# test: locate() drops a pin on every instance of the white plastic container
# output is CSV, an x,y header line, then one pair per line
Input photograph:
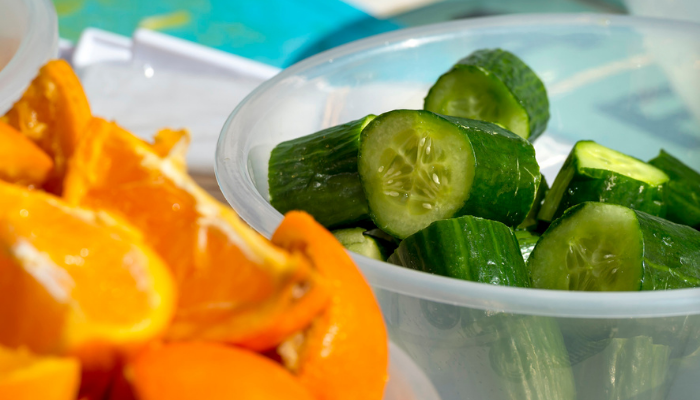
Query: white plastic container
x,y
28,39
610,79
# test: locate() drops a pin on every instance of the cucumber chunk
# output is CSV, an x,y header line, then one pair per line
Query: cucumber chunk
x,y
448,248
531,359
593,172
418,167
633,368
682,192
527,241
531,222
605,247
355,240
496,86
318,174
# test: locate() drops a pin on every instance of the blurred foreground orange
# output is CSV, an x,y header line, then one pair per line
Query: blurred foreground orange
x,y
233,284
186,371
344,353
24,376
53,112
22,162
72,280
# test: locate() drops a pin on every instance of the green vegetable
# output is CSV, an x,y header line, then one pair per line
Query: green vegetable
x,y
527,241
468,248
596,173
605,247
682,192
633,368
418,167
496,86
355,240
531,222
531,359
318,174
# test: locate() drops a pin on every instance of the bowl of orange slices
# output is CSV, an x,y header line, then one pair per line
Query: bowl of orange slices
x,y
121,278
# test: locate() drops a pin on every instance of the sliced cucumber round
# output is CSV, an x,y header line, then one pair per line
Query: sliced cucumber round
x,y
593,172
593,247
355,240
496,86
605,247
418,167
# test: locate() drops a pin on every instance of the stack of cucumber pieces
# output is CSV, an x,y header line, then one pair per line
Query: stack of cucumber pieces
x,y
455,190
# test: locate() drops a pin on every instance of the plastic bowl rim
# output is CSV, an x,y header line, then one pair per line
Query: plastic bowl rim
x,y
38,45
679,302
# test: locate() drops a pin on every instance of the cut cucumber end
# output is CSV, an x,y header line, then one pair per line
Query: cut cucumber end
x,y
591,155
416,167
468,91
355,240
592,247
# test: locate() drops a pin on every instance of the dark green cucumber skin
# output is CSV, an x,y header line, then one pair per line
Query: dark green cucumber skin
x,y
506,173
527,241
532,360
318,174
671,254
531,222
605,186
468,248
682,191
628,368
522,81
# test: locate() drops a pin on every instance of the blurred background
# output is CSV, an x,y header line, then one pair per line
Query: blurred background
x,y
188,63
281,32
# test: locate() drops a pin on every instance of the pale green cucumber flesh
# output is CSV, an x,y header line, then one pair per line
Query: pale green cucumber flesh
x,y
592,247
470,92
592,155
415,167
355,240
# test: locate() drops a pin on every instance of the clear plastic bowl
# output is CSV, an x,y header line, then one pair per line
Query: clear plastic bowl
x,y
627,82
28,38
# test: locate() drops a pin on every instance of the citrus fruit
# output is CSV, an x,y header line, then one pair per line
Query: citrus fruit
x,y
192,370
22,162
233,285
53,112
24,376
343,354
74,281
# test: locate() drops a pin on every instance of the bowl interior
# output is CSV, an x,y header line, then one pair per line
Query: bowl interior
x,y
28,38
628,83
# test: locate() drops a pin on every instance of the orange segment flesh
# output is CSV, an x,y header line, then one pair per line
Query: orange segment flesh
x,y
22,162
344,353
53,112
173,145
24,376
185,371
233,284
72,279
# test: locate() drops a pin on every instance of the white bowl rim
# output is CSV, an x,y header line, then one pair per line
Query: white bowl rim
x,y
679,302
37,47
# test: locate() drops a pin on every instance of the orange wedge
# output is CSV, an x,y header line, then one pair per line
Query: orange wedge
x,y
75,281
53,112
24,376
233,284
186,371
22,162
343,355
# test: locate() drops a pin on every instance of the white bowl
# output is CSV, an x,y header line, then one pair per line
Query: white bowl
x,y
28,39
612,79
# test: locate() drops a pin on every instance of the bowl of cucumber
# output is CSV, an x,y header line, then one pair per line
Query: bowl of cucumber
x,y
512,168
